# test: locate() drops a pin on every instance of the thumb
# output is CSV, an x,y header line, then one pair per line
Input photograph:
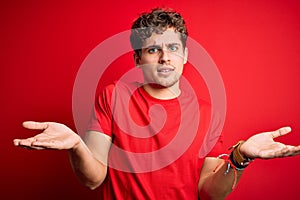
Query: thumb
x,y
281,131
35,125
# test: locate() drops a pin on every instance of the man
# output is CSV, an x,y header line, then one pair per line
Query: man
x,y
159,116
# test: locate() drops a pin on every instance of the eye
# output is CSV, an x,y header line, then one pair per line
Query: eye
x,y
153,50
173,48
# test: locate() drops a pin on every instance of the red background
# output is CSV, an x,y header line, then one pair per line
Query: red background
x,y
255,44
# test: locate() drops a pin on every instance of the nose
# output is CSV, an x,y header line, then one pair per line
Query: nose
x,y
164,56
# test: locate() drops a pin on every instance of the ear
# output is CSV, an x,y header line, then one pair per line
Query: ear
x,y
136,59
185,58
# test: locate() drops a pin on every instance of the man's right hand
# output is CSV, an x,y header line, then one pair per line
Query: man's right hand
x,y
53,136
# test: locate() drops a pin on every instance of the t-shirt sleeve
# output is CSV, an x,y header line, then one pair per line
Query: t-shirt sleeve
x,y
101,116
218,148
213,142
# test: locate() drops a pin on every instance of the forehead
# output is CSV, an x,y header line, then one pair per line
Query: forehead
x,y
167,37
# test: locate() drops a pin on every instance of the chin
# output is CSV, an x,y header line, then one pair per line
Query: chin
x,y
167,84
163,82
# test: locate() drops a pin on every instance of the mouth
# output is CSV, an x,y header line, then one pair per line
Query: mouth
x,y
165,70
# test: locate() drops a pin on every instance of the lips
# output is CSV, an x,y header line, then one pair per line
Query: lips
x,y
165,69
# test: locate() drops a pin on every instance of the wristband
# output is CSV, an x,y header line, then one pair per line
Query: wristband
x,y
237,159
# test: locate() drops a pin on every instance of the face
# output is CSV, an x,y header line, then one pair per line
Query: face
x,y
162,59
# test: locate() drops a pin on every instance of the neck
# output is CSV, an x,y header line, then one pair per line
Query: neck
x,y
164,93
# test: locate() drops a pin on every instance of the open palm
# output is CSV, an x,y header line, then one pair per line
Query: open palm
x,y
53,136
264,146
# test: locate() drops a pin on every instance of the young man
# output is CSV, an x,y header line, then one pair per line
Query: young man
x,y
144,139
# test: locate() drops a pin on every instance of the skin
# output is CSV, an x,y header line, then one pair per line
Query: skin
x,y
162,59
162,62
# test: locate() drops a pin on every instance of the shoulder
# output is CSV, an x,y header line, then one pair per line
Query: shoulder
x,y
120,85
117,89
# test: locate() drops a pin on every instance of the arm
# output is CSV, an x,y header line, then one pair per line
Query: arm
x,y
217,184
90,162
87,159
214,183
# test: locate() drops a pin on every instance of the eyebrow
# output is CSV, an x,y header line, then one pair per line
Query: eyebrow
x,y
172,44
159,46
152,46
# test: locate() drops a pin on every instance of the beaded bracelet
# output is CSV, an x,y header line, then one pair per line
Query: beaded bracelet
x,y
235,161
225,157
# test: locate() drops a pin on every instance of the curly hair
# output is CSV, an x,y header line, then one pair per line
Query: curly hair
x,y
158,20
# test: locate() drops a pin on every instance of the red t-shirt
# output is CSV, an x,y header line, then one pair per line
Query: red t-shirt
x,y
157,150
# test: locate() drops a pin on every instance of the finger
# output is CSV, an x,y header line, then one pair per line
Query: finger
x,y
49,144
294,150
33,143
280,132
26,142
288,151
16,142
32,147
35,125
